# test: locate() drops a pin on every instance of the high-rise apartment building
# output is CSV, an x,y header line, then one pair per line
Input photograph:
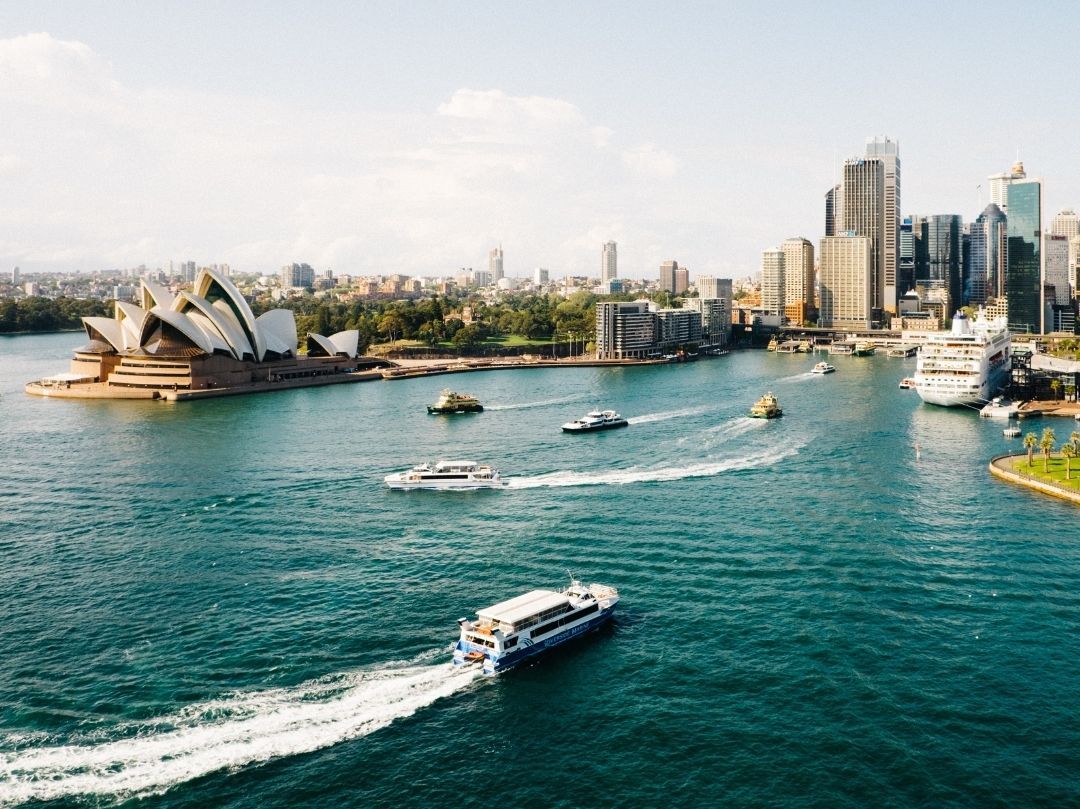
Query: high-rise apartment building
x,y
772,281
798,279
495,263
625,330
1023,270
667,276
988,249
999,185
15,277
1066,224
846,282
682,280
297,276
540,276
609,262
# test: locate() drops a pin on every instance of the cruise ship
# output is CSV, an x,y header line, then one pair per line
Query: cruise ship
x,y
447,475
510,632
966,365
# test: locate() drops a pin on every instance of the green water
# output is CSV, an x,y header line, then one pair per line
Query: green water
x,y
220,604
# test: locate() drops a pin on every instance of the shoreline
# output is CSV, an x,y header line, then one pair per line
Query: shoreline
x,y
1003,468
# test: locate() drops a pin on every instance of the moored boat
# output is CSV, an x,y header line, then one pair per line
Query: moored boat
x,y
1011,431
595,420
767,407
864,348
451,402
507,633
447,475
907,383
823,368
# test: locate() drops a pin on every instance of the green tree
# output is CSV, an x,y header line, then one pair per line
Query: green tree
x,y
1055,387
1030,442
1067,452
1046,444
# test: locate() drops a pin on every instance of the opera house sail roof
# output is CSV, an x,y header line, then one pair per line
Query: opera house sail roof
x,y
203,338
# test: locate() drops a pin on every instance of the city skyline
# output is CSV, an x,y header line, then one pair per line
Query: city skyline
x,y
144,140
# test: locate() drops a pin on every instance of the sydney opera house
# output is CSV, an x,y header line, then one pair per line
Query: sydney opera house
x,y
198,343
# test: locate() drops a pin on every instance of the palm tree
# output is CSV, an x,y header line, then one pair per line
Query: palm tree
x,y
1074,439
1046,444
1055,386
1067,452
1030,442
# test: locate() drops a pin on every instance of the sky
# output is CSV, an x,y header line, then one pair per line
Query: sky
x,y
380,138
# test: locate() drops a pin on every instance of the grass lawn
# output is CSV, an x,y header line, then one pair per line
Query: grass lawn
x,y
1056,474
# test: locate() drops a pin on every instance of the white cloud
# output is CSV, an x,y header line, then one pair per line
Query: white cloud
x,y
650,160
104,175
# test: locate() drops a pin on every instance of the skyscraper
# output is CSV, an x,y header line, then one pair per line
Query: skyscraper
x,y
15,277
495,263
988,248
667,276
1066,224
772,281
1056,269
888,152
1023,277
999,185
943,251
871,208
540,276
609,262
846,280
682,280
798,279
905,268
834,207
298,276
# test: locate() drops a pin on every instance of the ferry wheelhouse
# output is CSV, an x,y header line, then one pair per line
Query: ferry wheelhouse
x,y
512,631
966,365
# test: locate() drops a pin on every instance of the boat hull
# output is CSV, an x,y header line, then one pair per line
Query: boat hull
x,y
775,415
406,485
442,411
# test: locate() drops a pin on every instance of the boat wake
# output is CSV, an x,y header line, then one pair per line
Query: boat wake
x,y
671,414
228,733
622,477
523,405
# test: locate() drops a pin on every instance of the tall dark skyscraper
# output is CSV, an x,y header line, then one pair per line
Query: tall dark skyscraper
x,y
943,249
667,276
1023,271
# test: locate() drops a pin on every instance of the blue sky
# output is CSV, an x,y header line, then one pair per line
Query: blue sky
x,y
394,138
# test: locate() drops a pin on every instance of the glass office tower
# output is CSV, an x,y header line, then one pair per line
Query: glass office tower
x,y
1023,277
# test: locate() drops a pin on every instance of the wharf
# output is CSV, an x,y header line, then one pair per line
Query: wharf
x,y
903,350
416,368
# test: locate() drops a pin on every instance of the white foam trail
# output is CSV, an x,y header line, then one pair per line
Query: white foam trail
x,y
621,477
544,403
227,733
797,377
671,414
737,426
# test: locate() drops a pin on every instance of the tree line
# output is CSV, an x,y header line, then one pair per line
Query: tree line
x,y
438,320
48,314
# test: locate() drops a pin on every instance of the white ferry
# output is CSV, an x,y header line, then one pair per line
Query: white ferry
x,y
509,632
966,365
823,368
595,420
447,475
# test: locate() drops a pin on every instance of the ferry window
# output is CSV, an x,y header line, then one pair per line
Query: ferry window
x,y
510,643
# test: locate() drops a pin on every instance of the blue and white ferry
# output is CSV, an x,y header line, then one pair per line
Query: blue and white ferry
x,y
511,631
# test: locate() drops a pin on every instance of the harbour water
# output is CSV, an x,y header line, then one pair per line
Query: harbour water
x,y
220,604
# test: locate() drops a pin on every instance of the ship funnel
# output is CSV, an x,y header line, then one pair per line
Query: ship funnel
x,y
961,324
